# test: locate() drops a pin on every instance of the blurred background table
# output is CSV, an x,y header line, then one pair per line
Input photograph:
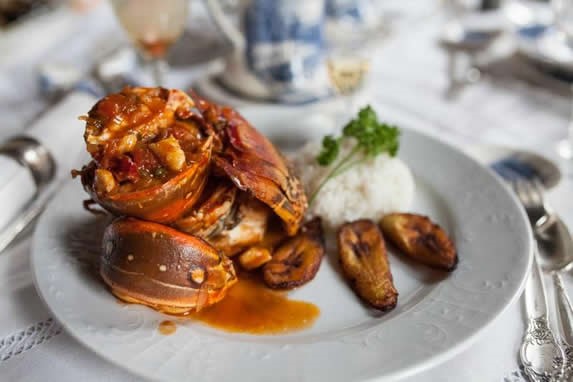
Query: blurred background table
x,y
512,104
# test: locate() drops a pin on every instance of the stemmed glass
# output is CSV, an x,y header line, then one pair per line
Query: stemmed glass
x,y
153,26
563,11
348,67
351,44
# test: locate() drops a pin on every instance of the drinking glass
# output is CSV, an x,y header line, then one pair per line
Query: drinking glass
x,y
347,68
351,44
563,18
153,26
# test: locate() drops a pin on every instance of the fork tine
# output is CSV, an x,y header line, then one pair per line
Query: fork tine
x,y
506,171
521,192
513,185
535,193
539,187
531,196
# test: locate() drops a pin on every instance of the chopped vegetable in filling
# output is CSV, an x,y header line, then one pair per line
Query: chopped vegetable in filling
x,y
141,137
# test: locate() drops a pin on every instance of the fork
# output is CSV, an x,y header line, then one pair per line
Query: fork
x,y
538,332
530,194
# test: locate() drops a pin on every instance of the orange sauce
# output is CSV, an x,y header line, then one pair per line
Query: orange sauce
x,y
251,307
167,327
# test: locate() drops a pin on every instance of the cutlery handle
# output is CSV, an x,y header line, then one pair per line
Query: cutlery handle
x,y
564,312
535,300
540,354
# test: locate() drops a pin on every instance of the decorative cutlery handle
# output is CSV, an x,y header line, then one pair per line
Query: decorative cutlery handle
x,y
540,354
535,300
564,312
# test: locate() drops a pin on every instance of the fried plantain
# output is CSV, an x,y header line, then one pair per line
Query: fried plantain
x,y
297,260
421,239
365,264
254,257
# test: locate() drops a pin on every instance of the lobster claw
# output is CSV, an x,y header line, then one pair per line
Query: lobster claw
x,y
254,164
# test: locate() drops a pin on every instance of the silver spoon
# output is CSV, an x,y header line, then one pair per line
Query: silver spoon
x,y
30,153
540,354
564,313
557,255
555,243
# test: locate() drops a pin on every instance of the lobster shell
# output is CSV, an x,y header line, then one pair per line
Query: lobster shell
x,y
164,203
155,265
254,164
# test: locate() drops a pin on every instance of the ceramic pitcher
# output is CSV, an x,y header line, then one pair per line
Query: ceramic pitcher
x,y
278,50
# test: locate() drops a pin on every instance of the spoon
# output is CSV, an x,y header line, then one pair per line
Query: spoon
x,y
554,252
555,243
30,153
556,255
564,313
540,354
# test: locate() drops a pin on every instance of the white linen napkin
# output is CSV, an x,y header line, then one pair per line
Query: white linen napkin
x,y
61,133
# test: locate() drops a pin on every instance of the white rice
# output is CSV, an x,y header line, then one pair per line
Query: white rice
x,y
369,190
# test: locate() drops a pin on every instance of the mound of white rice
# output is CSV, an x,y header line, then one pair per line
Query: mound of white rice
x,y
369,190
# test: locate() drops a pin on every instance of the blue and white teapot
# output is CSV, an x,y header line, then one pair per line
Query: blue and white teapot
x,y
278,49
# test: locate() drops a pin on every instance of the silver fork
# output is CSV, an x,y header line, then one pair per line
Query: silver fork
x,y
539,340
530,194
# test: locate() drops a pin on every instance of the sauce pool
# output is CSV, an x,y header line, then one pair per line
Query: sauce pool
x,y
251,307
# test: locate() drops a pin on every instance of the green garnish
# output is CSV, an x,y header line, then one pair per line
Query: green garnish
x,y
371,138
329,152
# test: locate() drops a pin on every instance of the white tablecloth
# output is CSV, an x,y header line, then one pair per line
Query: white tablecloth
x,y
407,85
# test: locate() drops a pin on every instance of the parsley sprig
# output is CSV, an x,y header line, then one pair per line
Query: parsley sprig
x,y
371,138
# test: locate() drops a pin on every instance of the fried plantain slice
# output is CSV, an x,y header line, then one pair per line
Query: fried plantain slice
x,y
421,239
297,260
254,257
365,264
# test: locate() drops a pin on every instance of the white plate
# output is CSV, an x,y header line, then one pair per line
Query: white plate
x,y
436,316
